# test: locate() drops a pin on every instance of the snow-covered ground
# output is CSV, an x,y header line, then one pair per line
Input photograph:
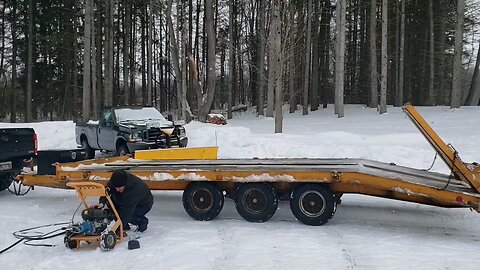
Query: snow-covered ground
x,y
366,232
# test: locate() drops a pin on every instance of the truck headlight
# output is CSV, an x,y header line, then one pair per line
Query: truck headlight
x,y
135,137
181,131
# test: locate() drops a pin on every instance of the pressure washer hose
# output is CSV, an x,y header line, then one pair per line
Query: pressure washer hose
x,y
29,235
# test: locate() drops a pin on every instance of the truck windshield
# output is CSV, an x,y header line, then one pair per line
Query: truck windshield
x,y
130,114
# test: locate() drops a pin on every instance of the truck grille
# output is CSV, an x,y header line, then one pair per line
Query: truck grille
x,y
153,135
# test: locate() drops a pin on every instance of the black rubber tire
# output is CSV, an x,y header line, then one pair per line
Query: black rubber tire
x,y
90,151
108,241
122,150
182,145
313,204
71,244
6,180
202,200
256,202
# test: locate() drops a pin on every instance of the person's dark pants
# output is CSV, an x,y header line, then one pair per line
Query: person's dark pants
x,y
139,218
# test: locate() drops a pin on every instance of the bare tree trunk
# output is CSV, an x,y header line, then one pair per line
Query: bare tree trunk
x,y
28,98
99,56
457,85
443,93
340,57
126,52
135,97
93,62
175,57
474,94
186,113
149,54
109,53
307,58
291,62
384,76
231,59
277,64
13,98
402,54
143,51
271,70
431,94
87,60
74,64
270,83
3,100
325,94
397,52
204,108
373,55
261,58
315,58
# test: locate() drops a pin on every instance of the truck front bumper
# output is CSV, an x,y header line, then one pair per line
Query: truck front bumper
x,y
169,142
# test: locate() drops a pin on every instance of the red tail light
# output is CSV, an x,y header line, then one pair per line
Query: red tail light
x,y
36,144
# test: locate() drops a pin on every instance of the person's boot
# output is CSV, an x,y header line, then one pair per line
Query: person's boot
x,y
142,224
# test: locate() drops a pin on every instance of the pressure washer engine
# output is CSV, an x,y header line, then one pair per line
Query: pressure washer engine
x,y
95,223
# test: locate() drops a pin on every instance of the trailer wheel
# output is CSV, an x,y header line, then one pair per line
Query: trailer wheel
x,y
256,202
108,241
202,200
313,204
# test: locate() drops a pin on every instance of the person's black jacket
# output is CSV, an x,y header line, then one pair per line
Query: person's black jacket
x,y
136,195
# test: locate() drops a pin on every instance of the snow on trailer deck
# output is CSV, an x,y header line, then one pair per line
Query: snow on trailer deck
x,y
341,175
371,167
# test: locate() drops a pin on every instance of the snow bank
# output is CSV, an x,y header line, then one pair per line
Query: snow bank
x,y
59,135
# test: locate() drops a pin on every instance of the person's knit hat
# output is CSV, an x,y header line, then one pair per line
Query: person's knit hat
x,y
119,178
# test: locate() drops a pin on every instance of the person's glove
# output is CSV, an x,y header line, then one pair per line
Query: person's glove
x,y
97,206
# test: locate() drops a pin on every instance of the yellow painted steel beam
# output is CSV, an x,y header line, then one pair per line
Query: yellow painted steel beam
x,y
283,180
469,173
405,191
204,153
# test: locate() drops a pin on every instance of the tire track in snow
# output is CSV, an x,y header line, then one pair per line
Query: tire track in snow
x,y
348,254
227,250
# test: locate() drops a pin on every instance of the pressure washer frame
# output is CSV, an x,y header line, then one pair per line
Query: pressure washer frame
x,y
92,189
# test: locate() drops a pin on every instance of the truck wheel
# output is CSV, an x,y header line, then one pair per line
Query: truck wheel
x,y
5,181
256,202
90,151
108,241
122,150
313,204
202,200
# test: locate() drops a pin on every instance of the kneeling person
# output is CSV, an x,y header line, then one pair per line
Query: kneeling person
x,y
132,199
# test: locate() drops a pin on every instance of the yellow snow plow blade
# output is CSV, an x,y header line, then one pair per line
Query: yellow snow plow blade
x,y
208,153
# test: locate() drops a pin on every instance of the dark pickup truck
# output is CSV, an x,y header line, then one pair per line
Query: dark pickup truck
x,y
17,147
124,130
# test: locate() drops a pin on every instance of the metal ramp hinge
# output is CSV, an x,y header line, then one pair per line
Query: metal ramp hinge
x,y
336,176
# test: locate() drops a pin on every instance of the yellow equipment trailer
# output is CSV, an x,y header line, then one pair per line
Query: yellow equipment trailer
x,y
313,186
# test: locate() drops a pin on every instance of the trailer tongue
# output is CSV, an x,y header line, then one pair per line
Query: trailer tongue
x,y
313,186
